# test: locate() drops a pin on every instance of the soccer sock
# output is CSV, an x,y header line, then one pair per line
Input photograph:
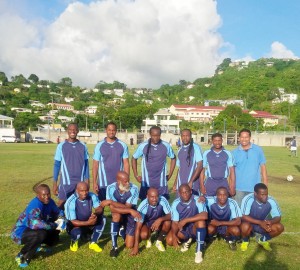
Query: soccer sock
x,y
161,236
245,239
200,237
98,230
265,237
75,234
114,229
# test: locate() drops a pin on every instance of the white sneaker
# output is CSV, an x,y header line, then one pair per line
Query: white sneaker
x,y
198,257
160,245
185,246
148,243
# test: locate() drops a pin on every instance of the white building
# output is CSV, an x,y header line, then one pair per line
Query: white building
x,y
92,109
162,119
107,92
269,119
69,99
119,92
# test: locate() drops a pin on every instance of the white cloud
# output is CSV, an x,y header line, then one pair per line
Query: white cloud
x,y
143,43
279,50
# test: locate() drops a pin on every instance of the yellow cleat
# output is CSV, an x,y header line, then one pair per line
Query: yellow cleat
x,y
244,246
265,245
74,246
94,246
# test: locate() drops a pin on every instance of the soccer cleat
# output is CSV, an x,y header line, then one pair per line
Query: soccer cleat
x,y
198,257
160,245
43,249
244,246
185,246
232,245
114,252
74,245
94,246
21,261
148,243
265,245
19,258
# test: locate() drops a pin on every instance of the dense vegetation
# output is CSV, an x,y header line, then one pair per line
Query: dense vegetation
x,y
256,83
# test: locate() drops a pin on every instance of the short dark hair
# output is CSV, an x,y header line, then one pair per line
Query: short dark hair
x,y
220,188
111,123
245,130
216,135
182,186
186,129
41,186
155,127
73,124
259,186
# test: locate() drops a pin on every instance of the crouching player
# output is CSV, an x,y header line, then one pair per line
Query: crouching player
x,y
261,215
224,217
82,221
122,197
36,225
156,217
188,222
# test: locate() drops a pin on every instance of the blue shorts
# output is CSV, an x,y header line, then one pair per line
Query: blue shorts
x,y
129,224
221,230
65,191
211,186
102,194
188,231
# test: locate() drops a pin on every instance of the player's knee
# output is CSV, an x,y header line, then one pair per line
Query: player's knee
x,y
278,228
245,227
144,235
211,229
201,224
234,230
169,239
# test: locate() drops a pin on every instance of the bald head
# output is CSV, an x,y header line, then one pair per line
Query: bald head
x,y
152,196
123,181
82,190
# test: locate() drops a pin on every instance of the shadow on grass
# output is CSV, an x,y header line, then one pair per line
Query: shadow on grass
x,y
297,167
270,260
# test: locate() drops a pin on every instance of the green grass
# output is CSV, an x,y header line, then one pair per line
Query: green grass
x,y
23,165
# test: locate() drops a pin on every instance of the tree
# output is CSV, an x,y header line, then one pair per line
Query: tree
x,y
33,78
24,121
3,78
66,81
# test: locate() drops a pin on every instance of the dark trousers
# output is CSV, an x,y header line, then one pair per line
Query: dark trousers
x,y
32,239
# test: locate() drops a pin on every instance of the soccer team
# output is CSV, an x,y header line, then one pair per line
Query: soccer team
x,y
218,194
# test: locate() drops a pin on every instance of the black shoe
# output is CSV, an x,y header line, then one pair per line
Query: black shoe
x,y
114,252
232,245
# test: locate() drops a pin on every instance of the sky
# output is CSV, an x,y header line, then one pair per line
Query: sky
x,y
142,43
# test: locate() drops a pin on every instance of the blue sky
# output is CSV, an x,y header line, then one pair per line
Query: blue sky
x,y
143,43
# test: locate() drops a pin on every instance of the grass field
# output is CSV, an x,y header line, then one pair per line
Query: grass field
x,y
23,165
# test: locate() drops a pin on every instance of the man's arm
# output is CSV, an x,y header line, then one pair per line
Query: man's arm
x,y
202,177
156,224
201,216
196,173
233,222
264,175
174,188
126,208
90,222
126,165
87,172
175,229
95,175
232,181
172,167
56,170
134,169
265,224
137,232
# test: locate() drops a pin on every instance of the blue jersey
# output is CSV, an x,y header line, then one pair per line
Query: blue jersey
x,y
36,216
227,212
261,211
131,196
181,210
76,209
154,163
217,164
110,157
187,163
152,213
73,157
248,167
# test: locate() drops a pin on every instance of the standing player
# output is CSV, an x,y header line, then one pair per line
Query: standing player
x,y
188,222
217,168
156,217
261,215
294,147
122,198
110,156
224,217
250,165
72,162
36,225
81,219
189,163
154,153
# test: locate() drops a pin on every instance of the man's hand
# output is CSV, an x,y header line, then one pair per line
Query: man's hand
x,y
137,216
215,223
181,224
156,224
134,252
55,189
92,219
174,188
201,199
266,225
231,192
176,241
138,178
96,189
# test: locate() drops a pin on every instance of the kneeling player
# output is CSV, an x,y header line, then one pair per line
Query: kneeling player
x,y
81,219
156,217
225,217
122,197
188,222
261,215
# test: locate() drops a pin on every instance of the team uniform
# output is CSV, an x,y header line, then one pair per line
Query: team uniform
x,y
188,166
181,210
71,160
76,209
217,165
130,197
260,211
227,212
35,226
110,157
154,167
151,213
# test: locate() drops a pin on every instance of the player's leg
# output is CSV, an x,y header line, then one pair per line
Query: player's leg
x,y
114,230
246,229
165,228
211,232
232,235
200,230
97,232
276,229
75,233
130,230
169,238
